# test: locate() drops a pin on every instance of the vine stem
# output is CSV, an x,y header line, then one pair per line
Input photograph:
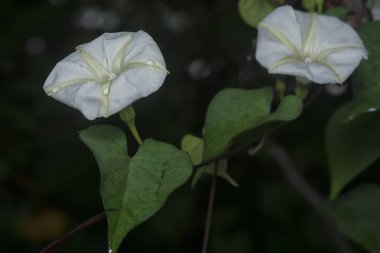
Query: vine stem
x,y
210,209
78,228
215,159
316,202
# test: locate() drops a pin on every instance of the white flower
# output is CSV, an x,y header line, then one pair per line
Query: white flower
x,y
107,74
374,6
320,48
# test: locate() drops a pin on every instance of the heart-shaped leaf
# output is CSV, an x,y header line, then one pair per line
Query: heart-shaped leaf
x,y
194,146
233,112
253,11
351,146
357,216
133,189
366,79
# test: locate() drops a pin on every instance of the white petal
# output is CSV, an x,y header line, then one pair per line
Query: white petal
x,y
70,68
84,97
304,22
278,37
323,73
284,21
143,49
296,68
105,47
331,33
67,79
270,52
133,84
345,61
374,6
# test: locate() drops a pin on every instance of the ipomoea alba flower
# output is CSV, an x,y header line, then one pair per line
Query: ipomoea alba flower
x,y
374,6
107,74
320,48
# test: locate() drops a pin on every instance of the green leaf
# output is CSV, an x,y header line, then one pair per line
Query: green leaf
x,y
133,189
311,5
351,146
222,172
194,146
231,112
234,111
339,12
366,79
357,216
253,11
210,169
289,109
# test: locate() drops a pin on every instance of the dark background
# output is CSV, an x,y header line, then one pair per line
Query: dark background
x,y
50,181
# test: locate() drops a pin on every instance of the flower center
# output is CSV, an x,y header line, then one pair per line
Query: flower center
x,y
308,59
111,76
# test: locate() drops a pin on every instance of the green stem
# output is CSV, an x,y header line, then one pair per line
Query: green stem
x,y
132,127
280,88
128,116
211,202
302,87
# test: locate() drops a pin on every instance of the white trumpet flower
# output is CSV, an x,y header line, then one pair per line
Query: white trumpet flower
x,y
374,6
320,48
107,74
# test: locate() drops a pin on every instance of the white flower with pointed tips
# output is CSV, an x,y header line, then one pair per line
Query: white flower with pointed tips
x,y
107,74
320,48
374,6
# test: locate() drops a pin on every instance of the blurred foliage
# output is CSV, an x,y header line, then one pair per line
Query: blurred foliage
x,y
366,79
252,12
357,215
351,146
207,47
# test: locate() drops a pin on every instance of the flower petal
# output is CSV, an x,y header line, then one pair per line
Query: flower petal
x,y
105,48
69,72
269,52
296,68
143,49
290,29
323,72
87,100
277,39
133,84
346,61
71,67
333,33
